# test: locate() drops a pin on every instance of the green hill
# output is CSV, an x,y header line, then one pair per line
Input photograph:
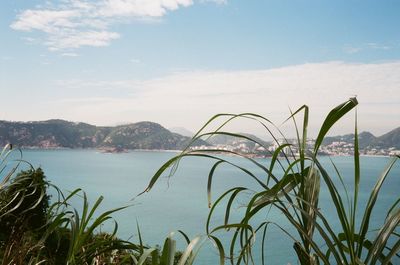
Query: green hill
x,y
144,135
368,140
390,139
365,139
65,134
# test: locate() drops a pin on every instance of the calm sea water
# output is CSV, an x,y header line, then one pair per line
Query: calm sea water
x,y
180,202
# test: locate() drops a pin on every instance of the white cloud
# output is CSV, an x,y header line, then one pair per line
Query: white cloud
x,y
74,40
189,98
29,40
140,8
69,54
71,24
98,84
219,2
48,21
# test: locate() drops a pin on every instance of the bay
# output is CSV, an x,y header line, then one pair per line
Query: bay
x,y
180,201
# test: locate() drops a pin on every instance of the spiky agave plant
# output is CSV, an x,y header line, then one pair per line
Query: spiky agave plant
x,y
296,193
86,244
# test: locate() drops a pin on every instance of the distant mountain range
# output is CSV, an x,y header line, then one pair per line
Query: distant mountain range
x,y
367,140
64,134
142,135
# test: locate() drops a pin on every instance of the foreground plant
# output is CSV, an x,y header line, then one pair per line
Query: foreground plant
x,y
35,231
295,193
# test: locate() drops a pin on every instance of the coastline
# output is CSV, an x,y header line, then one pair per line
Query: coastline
x,y
99,150
36,148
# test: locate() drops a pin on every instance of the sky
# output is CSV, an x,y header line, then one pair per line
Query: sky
x,y
179,62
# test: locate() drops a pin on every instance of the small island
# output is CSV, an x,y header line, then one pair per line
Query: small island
x,y
113,150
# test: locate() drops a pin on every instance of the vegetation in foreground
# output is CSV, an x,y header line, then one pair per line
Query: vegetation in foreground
x,y
295,193
35,231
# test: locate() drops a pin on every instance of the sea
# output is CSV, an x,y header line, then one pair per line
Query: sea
x,y
179,201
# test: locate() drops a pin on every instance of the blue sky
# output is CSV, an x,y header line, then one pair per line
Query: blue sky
x,y
178,62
